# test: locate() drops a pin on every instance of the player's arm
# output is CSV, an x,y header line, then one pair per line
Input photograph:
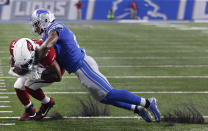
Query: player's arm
x,y
52,73
12,70
49,43
11,61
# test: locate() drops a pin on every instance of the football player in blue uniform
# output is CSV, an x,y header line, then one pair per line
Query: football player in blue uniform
x,y
75,60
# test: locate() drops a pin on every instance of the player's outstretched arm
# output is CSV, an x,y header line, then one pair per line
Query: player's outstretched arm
x,y
52,73
50,42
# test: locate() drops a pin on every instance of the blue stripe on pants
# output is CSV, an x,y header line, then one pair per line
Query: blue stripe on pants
x,y
95,78
88,66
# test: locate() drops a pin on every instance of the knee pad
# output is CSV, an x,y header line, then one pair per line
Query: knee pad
x,y
19,84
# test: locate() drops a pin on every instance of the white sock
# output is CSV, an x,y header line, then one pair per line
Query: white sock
x,y
28,105
133,107
45,100
143,102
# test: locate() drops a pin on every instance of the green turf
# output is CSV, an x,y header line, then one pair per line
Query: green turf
x,y
119,44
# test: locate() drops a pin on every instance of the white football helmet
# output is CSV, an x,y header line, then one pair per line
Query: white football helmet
x,y
23,50
41,19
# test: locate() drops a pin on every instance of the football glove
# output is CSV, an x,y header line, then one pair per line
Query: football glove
x,y
11,72
35,57
35,73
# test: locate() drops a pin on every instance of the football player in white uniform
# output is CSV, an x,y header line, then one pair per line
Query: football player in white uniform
x,y
30,81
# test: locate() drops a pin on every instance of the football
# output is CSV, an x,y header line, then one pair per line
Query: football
x,y
20,71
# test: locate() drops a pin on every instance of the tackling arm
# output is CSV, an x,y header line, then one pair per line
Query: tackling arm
x,y
52,73
50,42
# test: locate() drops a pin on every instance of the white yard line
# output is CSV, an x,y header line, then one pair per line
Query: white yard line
x,y
6,111
3,89
5,106
139,66
2,83
4,97
7,124
149,57
2,86
93,117
2,80
144,51
134,77
142,92
153,66
147,77
4,101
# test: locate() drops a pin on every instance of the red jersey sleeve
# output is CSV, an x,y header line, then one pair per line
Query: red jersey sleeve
x,y
39,42
50,57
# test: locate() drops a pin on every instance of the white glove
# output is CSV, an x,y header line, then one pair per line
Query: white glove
x,y
35,73
11,72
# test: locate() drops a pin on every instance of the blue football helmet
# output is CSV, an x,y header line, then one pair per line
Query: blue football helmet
x,y
41,19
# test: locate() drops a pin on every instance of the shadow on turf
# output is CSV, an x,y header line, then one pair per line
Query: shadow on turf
x,y
87,107
185,113
91,107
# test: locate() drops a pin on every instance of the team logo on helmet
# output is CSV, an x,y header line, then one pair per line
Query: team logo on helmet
x,y
30,46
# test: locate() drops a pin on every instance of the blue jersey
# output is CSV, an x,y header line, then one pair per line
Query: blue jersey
x,y
70,56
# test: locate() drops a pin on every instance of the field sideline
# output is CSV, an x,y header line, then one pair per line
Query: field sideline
x,y
165,60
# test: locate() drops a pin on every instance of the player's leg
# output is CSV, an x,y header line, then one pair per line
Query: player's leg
x,y
33,87
128,97
99,86
141,111
24,97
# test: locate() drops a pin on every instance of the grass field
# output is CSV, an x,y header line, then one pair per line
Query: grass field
x,y
165,60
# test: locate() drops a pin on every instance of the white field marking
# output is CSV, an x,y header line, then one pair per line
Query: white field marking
x,y
7,124
2,83
148,51
141,66
5,106
3,52
147,77
74,117
4,97
153,66
146,57
3,89
150,57
6,111
94,117
142,92
177,26
136,77
2,80
4,101
2,86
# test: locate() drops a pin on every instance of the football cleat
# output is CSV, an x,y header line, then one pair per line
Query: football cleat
x,y
154,109
44,109
29,114
142,112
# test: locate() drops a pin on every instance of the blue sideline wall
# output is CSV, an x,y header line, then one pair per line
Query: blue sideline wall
x,y
98,9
